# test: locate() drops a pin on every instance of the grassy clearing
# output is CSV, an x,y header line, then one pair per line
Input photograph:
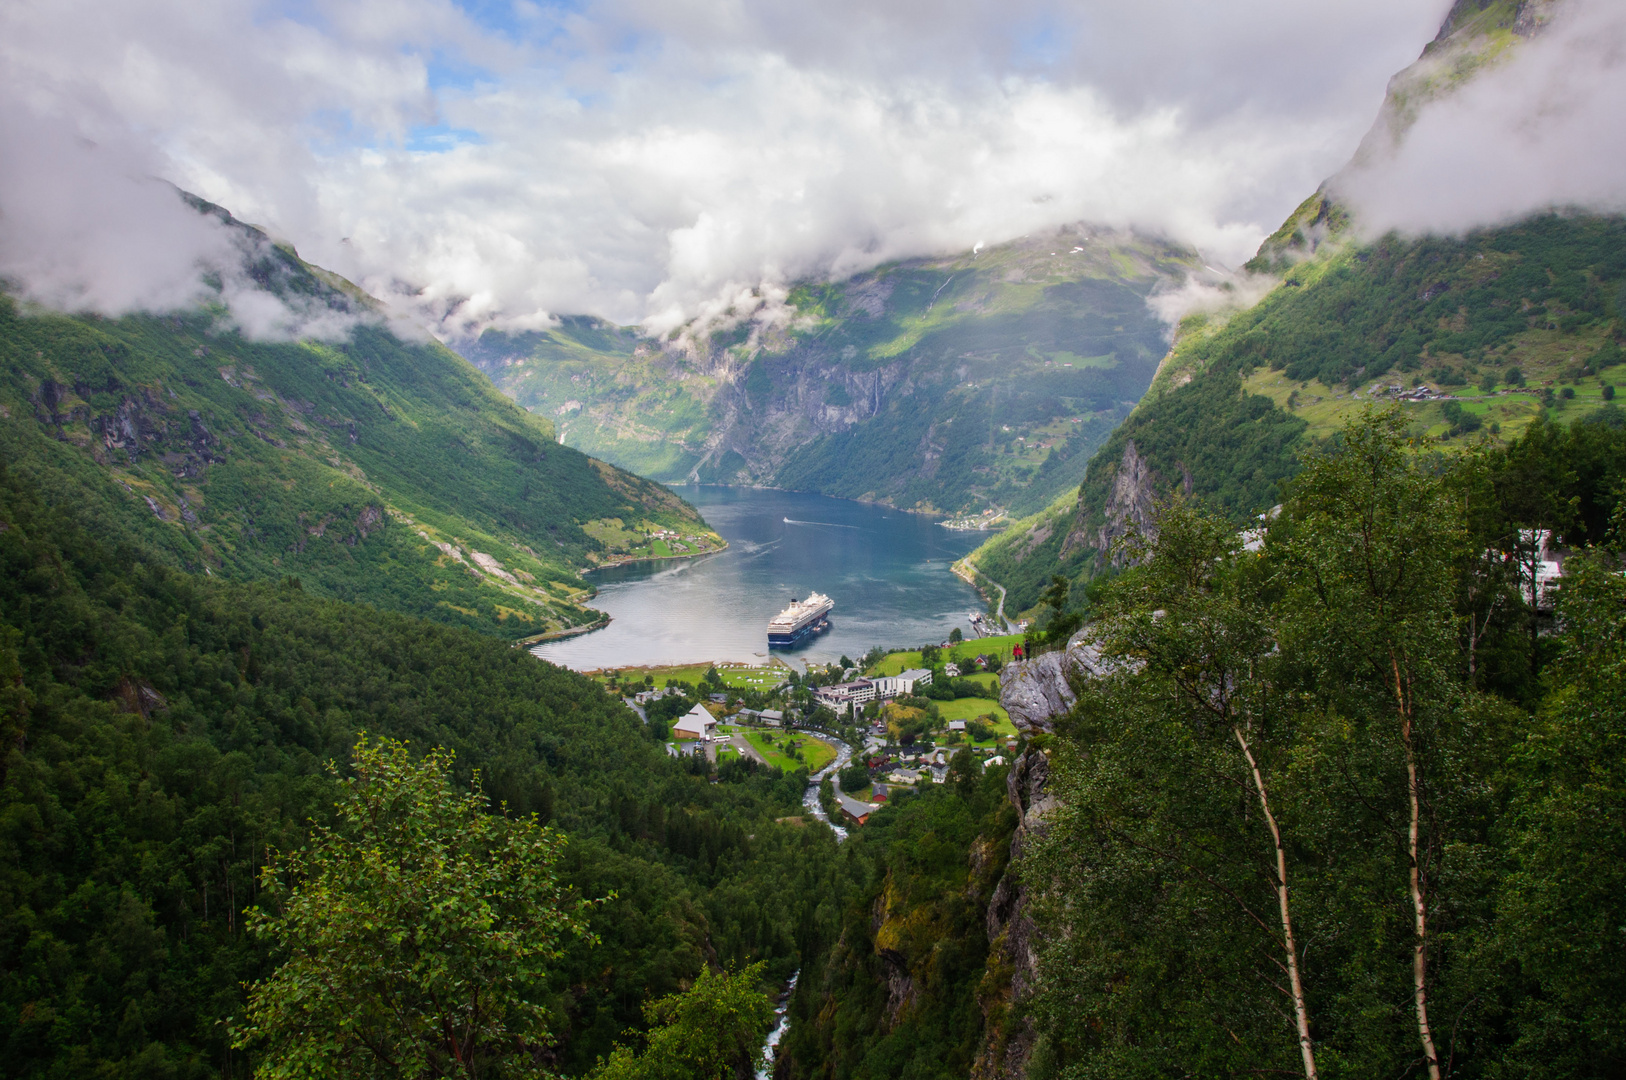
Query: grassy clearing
x,y
738,676
970,708
1326,409
815,753
1001,647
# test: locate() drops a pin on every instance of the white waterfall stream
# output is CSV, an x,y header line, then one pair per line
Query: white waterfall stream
x,y
810,799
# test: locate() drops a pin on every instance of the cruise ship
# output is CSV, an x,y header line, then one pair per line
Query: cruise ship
x,y
800,621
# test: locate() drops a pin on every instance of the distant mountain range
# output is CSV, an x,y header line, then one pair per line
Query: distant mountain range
x,y
957,384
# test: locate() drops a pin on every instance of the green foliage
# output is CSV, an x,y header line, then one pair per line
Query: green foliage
x,y
1560,906
1307,722
854,777
711,1031
418,931
898,952
1459,421
1401,298
341,464
164,730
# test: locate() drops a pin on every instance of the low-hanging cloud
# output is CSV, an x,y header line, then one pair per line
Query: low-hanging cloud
x,y
87,227
1543,129
648,161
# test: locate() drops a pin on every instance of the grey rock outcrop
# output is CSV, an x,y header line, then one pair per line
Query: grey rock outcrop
x,y
1131,507
1037,691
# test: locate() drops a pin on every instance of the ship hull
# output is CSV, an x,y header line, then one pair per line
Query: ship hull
x,y
789,640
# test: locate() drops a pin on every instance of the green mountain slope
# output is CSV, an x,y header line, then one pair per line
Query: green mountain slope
x,y
162,729
953,384
375,469
1476,337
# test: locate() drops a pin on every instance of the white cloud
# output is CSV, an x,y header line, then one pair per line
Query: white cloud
x,y
1544,130
87,227
646,160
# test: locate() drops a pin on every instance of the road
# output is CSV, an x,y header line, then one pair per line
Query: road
x,y
971,575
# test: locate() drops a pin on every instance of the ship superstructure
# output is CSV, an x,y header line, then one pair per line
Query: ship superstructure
x,y
800,621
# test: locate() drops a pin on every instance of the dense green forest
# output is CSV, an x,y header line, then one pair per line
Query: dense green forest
x,y
375,469
1437,304
894,982
1328,810
163,731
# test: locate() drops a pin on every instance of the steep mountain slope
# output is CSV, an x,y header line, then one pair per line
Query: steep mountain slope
x,y
1474,337
954,384
374,469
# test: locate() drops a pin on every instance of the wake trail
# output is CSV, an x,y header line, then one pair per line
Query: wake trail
x,y
826,524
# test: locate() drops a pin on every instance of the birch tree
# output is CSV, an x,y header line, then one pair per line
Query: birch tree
x,y
1169,805
1368,548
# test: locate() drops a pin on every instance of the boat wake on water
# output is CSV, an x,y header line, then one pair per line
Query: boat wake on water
x,y
826,524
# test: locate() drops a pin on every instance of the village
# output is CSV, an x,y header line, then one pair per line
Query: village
x,y
864,732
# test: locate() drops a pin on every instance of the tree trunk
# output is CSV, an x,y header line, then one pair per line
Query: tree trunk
x,y
1301,1014
1419,903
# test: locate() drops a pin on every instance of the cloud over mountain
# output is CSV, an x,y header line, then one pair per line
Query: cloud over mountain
x,y
508,161
1543,129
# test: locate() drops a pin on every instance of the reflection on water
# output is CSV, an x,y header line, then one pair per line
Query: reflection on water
x,y
887,572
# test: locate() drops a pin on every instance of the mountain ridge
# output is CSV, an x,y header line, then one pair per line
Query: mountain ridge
x,y
1475,336
372,467
1035,349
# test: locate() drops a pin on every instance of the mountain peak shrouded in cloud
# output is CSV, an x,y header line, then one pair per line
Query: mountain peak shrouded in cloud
x,y
86,227
499,164
1521,111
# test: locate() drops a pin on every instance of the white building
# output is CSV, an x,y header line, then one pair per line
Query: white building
x,y
697,723
891,686
844,696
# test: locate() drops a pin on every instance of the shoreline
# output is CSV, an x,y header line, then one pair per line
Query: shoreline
x,y
631,559
558,635
798,491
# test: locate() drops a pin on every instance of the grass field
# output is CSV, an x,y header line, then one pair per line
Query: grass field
x,y
992,646
1326,409
816,754
969,708
738,676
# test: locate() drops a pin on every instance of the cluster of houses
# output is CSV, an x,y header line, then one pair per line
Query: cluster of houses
x,y
906,770
846,696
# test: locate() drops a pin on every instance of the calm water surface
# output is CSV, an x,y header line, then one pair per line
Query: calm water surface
x,y
887,572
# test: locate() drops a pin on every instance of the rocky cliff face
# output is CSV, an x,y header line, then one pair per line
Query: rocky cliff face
x,y
1035,692
1131,507
936,384
811,394
1013,959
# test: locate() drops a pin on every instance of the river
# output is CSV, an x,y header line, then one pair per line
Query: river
x,y
888,573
